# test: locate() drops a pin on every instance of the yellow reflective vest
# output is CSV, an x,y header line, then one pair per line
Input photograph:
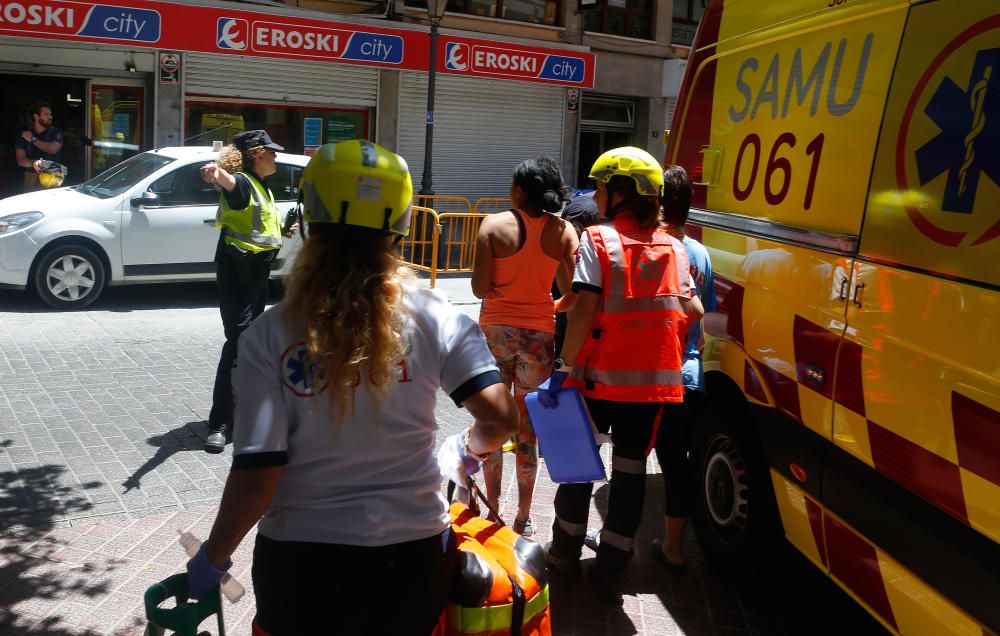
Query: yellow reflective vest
x,y
255,228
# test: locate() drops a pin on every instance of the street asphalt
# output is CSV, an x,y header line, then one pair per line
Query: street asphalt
x,y
102,425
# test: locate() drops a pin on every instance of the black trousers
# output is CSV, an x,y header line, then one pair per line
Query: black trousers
x,y
321,588
242,281
672,441
632,428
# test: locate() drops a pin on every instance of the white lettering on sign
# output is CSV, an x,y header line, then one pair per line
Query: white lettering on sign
x,y
563,69
124,24
377,49
504,61
271,37
33,14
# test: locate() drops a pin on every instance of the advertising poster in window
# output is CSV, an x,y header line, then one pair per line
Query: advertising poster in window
x,y
312,135
343,126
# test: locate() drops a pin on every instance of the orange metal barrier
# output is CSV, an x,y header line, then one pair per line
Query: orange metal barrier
x,y
457,245
443,203
420,248
489,205
441,242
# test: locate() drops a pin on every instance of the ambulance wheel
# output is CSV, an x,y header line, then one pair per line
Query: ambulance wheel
x,y
734,513
69,276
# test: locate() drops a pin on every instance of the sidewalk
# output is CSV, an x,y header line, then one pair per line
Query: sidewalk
x,y
88,576
101,433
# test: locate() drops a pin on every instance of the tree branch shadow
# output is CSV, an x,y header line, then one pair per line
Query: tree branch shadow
x,y
34,579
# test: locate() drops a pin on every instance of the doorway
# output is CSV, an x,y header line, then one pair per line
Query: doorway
x,y
594,143
67,97
606,122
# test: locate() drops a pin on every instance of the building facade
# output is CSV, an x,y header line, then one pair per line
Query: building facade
x,y
514,79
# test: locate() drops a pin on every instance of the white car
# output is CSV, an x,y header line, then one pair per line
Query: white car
x,y
150,218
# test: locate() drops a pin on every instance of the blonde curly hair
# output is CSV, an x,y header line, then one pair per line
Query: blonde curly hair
x,y
345,299
231,160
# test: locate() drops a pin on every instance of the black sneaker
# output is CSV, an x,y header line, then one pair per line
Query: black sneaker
x,y
565,566
216,441
607,586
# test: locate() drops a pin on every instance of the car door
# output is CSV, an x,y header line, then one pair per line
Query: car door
x,y
175,237
284,184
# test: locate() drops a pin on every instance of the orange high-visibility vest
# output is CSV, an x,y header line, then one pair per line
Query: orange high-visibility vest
x,y
503,581
636,348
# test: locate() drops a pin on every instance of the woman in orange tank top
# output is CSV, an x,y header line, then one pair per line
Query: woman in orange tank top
x,y
518,254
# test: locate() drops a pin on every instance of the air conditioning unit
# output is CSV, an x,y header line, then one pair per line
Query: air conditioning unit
x,y
673,73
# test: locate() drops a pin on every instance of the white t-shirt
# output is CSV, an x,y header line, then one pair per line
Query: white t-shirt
x,y
376,482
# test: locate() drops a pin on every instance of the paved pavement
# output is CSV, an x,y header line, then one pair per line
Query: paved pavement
x,y
101,431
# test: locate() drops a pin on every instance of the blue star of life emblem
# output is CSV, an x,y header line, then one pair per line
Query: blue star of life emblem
x,y
303,376
966,147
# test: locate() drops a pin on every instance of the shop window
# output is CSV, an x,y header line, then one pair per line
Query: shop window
x,y
535,11
300,129
629,18
687,14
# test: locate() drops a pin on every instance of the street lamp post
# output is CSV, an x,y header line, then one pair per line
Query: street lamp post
x,y
435,12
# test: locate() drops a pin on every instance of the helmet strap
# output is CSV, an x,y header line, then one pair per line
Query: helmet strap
x,y
343,211
385,221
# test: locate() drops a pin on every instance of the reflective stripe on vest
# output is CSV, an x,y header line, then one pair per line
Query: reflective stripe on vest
x,y
635,352
263,232
473,620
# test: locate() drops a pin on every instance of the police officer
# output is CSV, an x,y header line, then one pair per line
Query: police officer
x,y
249,241
624,349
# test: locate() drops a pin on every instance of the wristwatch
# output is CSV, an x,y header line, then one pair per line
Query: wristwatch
x,y
34,138
560,365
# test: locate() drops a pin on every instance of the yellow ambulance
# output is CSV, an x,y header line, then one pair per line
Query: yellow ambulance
x,y
846,155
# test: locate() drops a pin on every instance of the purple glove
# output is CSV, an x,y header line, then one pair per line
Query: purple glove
x,y
548,391
454,461
203,577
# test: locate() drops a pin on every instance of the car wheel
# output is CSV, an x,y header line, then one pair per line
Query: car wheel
x,y
69,277
734,515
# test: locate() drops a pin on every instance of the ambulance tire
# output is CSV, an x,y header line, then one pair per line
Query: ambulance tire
x,y
734,512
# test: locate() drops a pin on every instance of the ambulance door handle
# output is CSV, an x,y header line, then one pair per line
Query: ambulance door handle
x,y
842,294
857,293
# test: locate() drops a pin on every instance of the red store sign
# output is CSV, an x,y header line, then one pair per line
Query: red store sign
x,y
188,27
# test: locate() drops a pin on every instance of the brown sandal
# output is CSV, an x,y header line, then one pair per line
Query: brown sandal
x,y
524,528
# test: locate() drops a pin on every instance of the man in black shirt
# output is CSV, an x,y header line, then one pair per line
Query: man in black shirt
x,y
40,141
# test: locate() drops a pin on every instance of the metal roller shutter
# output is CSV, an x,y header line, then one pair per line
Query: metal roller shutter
x,y
482,129
280,80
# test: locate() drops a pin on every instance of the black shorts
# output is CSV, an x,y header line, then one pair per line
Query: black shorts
x,y
324,588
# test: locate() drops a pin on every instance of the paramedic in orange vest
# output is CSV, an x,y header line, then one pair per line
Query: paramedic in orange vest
x,y
624,352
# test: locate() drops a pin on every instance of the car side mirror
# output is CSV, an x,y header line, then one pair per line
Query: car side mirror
x,y
147,199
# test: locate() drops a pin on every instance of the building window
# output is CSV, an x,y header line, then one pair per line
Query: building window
x,y
631,18
534,11
687,13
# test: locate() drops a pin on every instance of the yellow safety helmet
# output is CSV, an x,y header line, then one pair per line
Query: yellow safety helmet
x,y
634,163
358,183
51,174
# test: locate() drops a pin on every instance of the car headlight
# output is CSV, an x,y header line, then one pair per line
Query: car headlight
x,y
19,221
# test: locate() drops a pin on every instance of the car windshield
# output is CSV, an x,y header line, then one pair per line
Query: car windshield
x,y
122,176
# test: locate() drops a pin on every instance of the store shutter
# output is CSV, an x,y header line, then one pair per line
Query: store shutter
x,y
482,129
280,80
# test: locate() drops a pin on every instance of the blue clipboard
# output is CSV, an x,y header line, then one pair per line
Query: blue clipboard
x,y
566,437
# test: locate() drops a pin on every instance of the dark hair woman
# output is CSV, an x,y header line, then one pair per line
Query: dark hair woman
x,y
518,254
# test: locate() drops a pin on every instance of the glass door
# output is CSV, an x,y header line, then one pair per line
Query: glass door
x,y
115,122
